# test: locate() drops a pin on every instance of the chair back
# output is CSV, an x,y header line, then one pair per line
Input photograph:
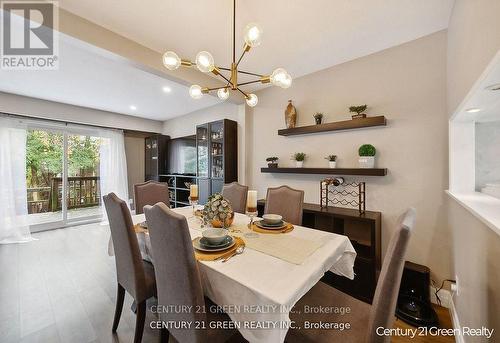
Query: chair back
x,y
178,280
287,202
149,193
129,267
386,293
236,194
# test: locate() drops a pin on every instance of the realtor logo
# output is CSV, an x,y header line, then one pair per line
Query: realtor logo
x,y
29,35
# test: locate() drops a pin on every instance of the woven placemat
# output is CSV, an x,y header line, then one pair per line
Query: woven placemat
x,y
288,228
210,256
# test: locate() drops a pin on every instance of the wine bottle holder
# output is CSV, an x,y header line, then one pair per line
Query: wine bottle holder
x,y
349,195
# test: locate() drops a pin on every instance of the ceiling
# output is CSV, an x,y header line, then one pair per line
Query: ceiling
x,y
94,78
302,36
482,104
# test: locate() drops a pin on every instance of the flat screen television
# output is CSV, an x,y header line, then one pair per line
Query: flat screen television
x,y
182,155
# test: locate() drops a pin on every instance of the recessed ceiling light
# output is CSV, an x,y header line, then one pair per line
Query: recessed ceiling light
x,y
133,108
473,110
493,87
167,89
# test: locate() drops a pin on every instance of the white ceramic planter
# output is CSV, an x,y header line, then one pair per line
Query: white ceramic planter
x,y
299,164
332,164
367,161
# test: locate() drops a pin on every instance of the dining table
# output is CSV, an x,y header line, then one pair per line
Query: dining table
x,y
259,287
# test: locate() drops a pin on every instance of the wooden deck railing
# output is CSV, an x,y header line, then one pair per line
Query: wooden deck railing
x,y
83,191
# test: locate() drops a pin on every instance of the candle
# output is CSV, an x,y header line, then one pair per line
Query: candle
x,y
193,192
252,201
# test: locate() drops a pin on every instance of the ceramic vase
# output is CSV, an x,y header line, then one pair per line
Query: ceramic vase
x,y
290,115
367,161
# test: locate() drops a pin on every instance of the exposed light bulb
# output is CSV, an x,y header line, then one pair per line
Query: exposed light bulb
x,y
287,81
205,62
223,93
280,78
252,100
195,92
171,61
253,34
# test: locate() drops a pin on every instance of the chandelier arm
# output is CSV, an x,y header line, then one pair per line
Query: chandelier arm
x,y
225,78
249,73
242,92
224,68
249,82
216,88
241,57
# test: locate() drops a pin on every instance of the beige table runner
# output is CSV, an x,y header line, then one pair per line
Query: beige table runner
x,y
283,246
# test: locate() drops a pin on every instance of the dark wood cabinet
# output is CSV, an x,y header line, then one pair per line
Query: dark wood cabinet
x,y
363,230
178,188
217,156
155,156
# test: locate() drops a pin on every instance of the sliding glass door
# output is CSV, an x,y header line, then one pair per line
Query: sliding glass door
x,y
83,191
44,166
62,177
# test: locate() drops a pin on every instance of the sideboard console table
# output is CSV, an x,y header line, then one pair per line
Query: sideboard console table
x,y
364,232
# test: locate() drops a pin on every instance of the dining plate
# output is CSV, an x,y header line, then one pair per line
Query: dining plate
x,y
198,246
267,224
260,224
224,244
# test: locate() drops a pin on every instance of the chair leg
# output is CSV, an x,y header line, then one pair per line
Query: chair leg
x,y
164,335
120,295
139,321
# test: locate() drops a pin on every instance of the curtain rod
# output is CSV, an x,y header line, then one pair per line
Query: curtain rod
x,y
23,116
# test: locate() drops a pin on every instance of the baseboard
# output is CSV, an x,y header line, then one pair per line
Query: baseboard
x,y
456,322
444,295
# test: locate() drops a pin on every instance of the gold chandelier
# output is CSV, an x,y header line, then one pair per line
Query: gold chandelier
x,y
205,63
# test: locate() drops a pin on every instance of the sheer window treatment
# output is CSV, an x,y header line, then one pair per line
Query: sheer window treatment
x,y
13,192
113,165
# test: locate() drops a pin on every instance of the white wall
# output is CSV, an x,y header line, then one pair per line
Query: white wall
x,y
186,125
487,161
17,104
473,40
407,84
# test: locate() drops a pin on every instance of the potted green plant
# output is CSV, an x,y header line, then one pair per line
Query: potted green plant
x,y
332,161
299,158
318,117
272,162
367,156
358,110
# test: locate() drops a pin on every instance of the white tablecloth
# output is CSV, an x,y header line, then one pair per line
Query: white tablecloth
x,y
259,290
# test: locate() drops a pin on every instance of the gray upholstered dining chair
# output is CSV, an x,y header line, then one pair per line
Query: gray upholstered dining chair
x,y
237,196
133,274
178,278
287,202
364,318
149,193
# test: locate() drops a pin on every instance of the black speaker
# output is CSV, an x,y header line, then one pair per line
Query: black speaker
x,y
414,304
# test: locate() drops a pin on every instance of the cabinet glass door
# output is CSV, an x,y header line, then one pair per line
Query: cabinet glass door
x,y
217,149
202,146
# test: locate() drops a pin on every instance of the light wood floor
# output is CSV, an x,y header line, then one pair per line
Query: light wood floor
x,y
62,288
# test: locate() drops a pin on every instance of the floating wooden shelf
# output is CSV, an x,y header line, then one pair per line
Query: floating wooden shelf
x,y
335,126
329,171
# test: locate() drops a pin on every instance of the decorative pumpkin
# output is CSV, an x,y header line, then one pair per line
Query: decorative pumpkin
x,y
218,211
